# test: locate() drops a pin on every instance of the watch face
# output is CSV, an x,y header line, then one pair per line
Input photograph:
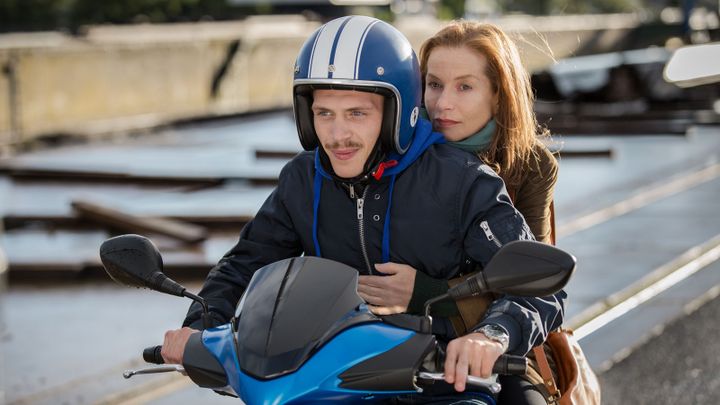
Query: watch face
x,y
495,333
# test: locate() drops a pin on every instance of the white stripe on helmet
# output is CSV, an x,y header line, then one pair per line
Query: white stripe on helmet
x,y
349,47
320,59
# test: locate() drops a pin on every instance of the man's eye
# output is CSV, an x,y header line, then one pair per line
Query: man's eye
x,y
357,114
323,113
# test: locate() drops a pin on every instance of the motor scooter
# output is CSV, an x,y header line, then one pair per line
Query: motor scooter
x,y
301,333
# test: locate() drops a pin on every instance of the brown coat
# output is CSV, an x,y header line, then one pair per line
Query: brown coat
x,y
533,197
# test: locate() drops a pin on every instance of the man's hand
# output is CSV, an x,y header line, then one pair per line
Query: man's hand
x,y
174,344
388,294
474,353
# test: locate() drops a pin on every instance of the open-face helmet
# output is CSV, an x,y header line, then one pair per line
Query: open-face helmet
x,y
363,54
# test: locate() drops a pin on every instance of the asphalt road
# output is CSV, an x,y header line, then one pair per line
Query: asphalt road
x,y
678,366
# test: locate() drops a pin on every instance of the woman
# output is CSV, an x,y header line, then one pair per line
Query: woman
x,y
478,95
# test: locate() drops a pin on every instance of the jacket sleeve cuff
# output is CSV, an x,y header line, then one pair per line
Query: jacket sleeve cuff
x,y
197,324
509,325
427,287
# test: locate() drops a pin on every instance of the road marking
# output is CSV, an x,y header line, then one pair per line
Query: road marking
x,y
643,197
658,330
54,392
648,287
147,392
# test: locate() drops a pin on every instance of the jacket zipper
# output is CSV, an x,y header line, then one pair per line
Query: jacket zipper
x,y
488,233
361,225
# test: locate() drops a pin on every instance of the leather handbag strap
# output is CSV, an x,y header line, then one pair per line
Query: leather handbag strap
x,y
546,373
539,351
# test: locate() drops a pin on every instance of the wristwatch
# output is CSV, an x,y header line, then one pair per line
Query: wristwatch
x,y
496,333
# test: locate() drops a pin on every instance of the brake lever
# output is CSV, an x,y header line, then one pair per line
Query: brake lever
x,y
489,383
154,370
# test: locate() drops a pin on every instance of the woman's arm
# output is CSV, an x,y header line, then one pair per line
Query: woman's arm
x,y
534,196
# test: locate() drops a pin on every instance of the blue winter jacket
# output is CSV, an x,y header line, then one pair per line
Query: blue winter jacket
x,y
435,208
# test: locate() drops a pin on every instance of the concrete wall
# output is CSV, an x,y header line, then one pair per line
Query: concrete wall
x,y
118,79
128,77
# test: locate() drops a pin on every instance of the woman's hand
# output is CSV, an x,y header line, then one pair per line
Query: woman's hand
x,y
389,294
473,354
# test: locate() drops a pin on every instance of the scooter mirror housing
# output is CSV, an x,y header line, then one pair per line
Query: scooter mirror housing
x,y
527,268
687,66
133,260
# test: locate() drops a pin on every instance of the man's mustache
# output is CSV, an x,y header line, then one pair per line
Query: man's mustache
x,y
338,145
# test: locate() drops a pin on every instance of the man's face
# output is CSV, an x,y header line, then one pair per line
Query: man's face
x,y
347,124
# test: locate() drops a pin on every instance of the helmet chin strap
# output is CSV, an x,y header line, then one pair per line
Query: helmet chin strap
x,y
371,164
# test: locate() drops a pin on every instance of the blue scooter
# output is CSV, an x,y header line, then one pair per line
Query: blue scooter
x,y
301,333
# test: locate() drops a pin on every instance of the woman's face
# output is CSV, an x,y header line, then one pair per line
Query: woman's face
x,y
459,97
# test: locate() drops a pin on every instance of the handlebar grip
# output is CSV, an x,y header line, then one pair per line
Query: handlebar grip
x,y
152,355
509,364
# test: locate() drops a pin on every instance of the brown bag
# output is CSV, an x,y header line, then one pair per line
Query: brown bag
x,y
576,383
470,309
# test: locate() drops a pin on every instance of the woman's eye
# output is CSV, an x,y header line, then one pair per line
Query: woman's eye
x,y
465,87
433,85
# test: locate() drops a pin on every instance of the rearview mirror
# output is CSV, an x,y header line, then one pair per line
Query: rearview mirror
x,y
133,260
524,268
528,268
689,67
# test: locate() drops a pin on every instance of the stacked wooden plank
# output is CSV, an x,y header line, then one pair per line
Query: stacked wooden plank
x,y
191,190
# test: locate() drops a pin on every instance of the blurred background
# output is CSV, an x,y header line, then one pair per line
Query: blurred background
x,y
171,118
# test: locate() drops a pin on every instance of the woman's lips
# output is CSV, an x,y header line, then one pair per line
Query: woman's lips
x,y
344,154
441,123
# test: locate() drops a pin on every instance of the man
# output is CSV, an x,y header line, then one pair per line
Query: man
x,y
376,185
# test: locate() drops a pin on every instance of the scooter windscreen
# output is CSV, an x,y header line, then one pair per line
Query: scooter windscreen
x,y
290,309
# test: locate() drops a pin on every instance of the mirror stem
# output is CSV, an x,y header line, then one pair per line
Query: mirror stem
x,y
472,286
432,301
206,311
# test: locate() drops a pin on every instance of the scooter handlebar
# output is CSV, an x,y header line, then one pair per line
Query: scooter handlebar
x,y
152,355
509,364
505,364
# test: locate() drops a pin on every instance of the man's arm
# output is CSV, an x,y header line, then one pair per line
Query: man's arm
x,y
490,222
269,237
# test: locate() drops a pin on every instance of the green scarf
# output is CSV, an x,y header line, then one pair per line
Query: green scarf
x,y
478,142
